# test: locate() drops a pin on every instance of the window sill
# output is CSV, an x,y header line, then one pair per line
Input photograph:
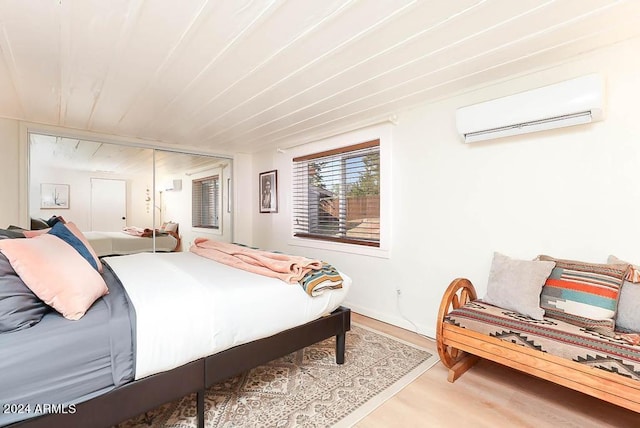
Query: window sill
x,y
206,230
339,247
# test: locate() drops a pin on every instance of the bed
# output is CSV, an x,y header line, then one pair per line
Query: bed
x,y
223,321
120,243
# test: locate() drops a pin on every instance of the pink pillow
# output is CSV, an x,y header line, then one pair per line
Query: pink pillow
x,y
76,232
74,229
32,233
56,273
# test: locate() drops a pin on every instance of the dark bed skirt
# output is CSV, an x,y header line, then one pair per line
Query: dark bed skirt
x,y
146,394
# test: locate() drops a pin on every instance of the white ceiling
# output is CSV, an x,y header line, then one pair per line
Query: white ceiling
x,y
241,75
99,157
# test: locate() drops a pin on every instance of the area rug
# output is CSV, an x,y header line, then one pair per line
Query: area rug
x,y
306,388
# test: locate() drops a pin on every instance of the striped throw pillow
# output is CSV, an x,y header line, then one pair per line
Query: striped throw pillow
x,y
583,294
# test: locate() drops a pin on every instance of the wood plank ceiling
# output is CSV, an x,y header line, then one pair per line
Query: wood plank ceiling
x,y
241,75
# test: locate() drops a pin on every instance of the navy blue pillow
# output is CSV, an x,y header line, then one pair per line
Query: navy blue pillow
x,y
62,232
53,220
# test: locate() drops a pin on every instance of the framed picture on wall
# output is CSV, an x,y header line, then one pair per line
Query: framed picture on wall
x,y
54,196
268,185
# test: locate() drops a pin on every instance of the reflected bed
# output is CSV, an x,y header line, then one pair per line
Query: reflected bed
x,y
120,243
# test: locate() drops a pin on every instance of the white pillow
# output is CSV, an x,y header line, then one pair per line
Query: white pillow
x,y
171,227
516,284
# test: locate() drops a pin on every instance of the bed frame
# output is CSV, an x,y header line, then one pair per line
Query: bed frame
x,y
146,394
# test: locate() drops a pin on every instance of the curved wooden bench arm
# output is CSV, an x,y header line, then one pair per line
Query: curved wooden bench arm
x,y
176,235
460,292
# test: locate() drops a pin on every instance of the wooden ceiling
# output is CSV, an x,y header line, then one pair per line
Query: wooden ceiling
x,y
64,153
239,76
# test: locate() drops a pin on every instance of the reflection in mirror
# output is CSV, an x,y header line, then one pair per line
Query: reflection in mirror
x,y
192,194
108,191
104,182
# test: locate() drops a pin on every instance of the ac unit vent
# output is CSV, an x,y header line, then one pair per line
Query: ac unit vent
x,y
573,102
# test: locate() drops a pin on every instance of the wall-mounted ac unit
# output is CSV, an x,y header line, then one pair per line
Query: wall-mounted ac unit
x,y
173,185
572,102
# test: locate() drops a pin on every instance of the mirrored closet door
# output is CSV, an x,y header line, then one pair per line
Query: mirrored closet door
x,y
116,193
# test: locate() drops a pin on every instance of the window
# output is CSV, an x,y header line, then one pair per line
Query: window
x,y
205,205
336,195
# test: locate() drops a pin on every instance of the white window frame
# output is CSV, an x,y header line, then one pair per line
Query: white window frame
x,y
383,133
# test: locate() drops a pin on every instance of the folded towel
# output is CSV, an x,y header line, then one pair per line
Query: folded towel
x,y
143,233
134,231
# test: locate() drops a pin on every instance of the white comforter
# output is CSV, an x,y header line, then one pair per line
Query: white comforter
x,y
188,307
112,243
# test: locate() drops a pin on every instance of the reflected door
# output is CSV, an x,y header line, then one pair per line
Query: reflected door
x,y
108,204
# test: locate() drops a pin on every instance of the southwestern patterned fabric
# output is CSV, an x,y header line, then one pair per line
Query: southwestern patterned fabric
x,y
585,294
303,389
317,281
550,335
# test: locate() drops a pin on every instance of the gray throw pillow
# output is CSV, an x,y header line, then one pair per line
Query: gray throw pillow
x,y
516,284
39,224
628,315
11,233
19,307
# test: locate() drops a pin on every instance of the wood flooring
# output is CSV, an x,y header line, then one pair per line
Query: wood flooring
x,y
488,395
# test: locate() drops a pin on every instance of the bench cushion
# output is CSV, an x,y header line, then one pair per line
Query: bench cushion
x,y
550,335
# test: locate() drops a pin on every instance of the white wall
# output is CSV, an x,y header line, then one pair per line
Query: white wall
x,y
244,191
79,183
9,173
569,193
176,207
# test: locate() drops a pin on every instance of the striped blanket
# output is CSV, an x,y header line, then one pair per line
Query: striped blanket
x,y
315,282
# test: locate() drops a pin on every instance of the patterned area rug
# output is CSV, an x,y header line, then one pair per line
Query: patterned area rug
x,y
306,388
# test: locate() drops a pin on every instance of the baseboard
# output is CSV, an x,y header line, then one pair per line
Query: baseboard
x,y
393,319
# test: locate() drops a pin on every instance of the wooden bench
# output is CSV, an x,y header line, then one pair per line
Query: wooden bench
x,y
461,348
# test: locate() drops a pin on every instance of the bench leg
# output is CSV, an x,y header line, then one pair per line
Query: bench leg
x,y
462,366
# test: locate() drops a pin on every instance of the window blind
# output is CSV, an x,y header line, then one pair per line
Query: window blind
x,y
336,195
205,192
